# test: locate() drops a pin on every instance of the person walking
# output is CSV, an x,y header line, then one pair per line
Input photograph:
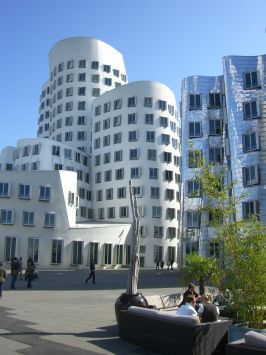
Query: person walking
x,y
157,264
20,269
2,277
92,272
30,270
162,264
14,272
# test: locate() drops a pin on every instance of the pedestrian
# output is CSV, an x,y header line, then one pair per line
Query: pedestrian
x,y
20,269
190,291
14,272
171,264
168,264
208,312
2,277
157,265
92,272
30,270
162,264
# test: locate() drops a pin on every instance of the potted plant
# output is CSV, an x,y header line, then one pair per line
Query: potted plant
x,y
243,242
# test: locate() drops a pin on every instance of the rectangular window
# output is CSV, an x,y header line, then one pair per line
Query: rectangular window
x,y
250,175
108,175
150,136
82,63
94,65
28,218
251,80
81,120
121,192
10,248
193,188
216,155
106,123
194,158
118,155
133,154
137,191
250,142
68,136
33,249
251,208
107,107
215,100
97,126
155,192
116,73
106,140
123,211
169,194
215,127
167,157
69,92
147,101
24,191
153,173
68,121
111,212
7,216
95,78
81,136
101,213
117,138
149,118
165,139
132,118
135,173
107,158
117,104
49,220
81,105
4,189
171,232
106,68
117,121
97,143
77,248
193,219
170,213
162,105
132,136
250,110
168,175
156,212
164,122
57,251
82,91
99,195
158,232
132,101
69,106
195,130
45,193
119,174
82,77
152,154
108,81
95,92
194,102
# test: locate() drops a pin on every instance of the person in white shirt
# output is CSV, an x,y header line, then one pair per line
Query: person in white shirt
x,y
188,309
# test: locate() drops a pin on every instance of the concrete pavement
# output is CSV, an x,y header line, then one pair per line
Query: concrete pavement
x,y
61,315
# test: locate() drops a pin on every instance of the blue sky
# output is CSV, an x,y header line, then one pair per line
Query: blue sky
x,y
163,41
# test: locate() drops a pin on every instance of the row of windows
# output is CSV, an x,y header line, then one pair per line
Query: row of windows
x,y
132,102
79,158
132,119
121,192
251,80
28,218
24,191
135,173
133,155
215,128
83,63
27,150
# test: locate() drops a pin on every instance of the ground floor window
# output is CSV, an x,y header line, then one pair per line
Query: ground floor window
x,y
10,248
191,247
171,253
215,249
107,254
93,253
119,254
158,253
77,248
127,253
57,249
33,249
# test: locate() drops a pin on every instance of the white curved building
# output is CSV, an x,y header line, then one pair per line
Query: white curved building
x,y
65,195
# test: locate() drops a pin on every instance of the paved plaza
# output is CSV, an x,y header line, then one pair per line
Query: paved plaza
x,y
61,315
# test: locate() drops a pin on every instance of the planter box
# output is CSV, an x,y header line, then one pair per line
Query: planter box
x,y
237,332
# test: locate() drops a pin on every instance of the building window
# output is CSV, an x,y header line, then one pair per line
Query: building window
x,y
135,173
10,248
194,158
251,208
216,155
165,139
108,81
171,232
193,188
117,121
164,122
121,192
70,64
106,140
195,130
155,192
95,78
250,175
97,160
118,155
158,231
81,136
150,136
33,249
108,175
107,107
117,138
170,213
57,250
123,77
215,100
24,191
215,127
68,121
132,101
49,220
81,120
97,126
107,158
116,73
251,80
111,212
106,123
250,142
194,102
95,92
133,154
162,105
28,218
152,154
82,91
250,110
77,248
149,118
45,193
168,175
82,63
132,118
69,92
101,213
153,173
167,157
132,136
106,68
99,195
81,105
123,211
169,194
82,77
193,219
137,191
97,143
147,101
4,189
68,136
117,104
156,212
7,216
95,65
69,106
119,174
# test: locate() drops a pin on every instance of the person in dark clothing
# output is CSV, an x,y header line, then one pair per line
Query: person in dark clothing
x,y
190,291
14,272
92,272
207,312
162,264
157,265
30,270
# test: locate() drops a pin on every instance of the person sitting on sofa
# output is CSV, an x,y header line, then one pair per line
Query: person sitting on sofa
x,y
188,309
207,312
190,291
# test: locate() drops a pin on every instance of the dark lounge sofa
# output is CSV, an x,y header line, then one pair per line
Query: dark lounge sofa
x,y
252,344
167,333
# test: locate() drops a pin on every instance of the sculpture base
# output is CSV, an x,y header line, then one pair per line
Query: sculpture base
x,y
125,301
